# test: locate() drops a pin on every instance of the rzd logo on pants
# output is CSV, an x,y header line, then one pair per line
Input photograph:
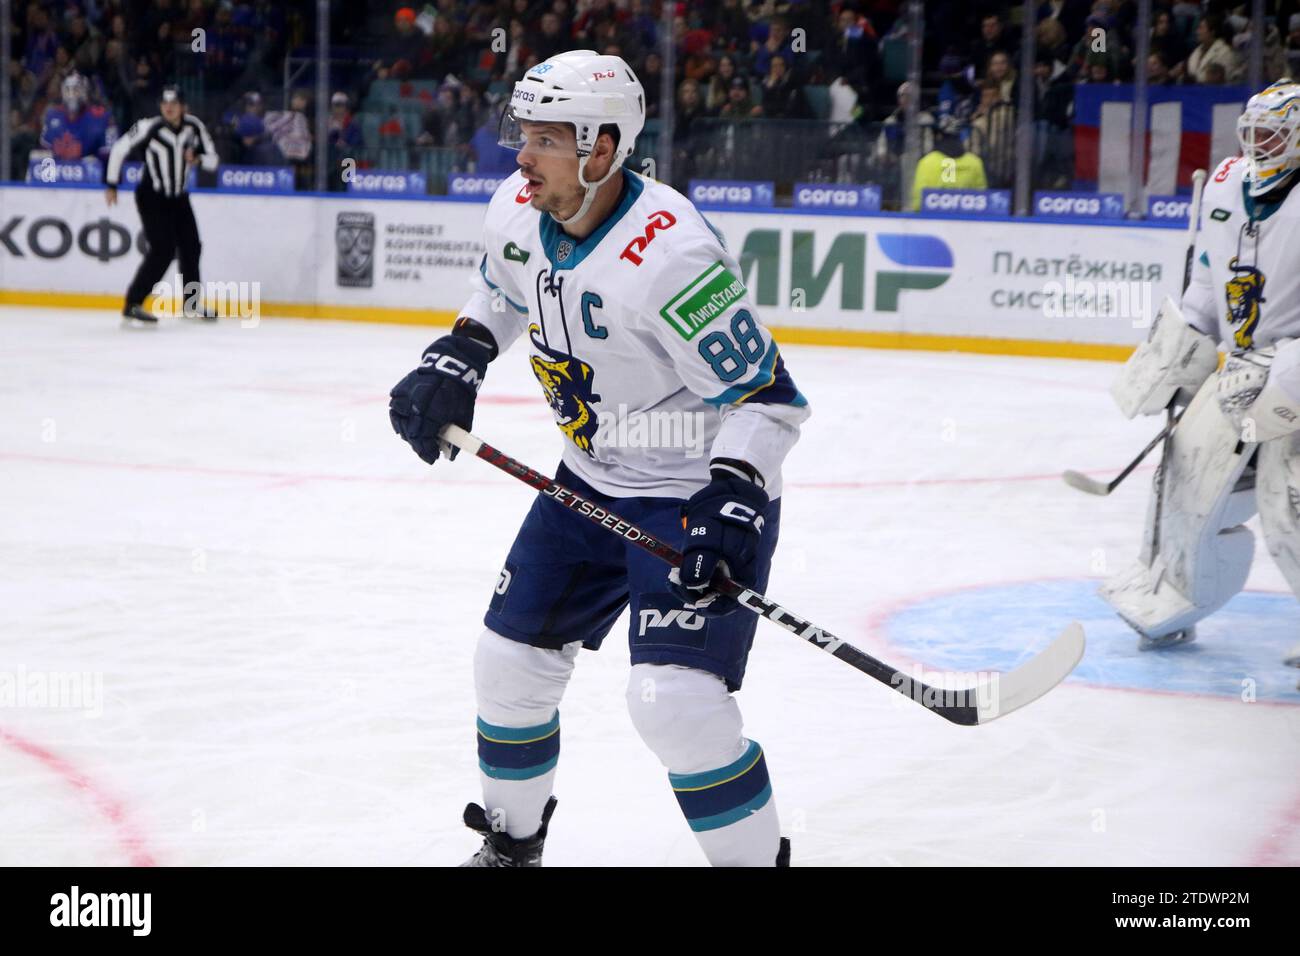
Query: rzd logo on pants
x,y
677,617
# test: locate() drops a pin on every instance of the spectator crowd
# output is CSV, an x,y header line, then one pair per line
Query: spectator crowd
x,y
406,80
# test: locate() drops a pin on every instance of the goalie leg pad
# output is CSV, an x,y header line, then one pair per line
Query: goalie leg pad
x,y
1200,555
1175,360
1279,504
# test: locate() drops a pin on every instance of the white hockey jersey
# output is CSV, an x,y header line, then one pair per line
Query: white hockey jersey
x,y
1245,287
643,338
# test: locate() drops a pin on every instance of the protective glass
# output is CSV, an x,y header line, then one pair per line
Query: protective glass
x,y
542,138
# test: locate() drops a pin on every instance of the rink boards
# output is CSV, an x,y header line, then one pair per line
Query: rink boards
x,y
998,286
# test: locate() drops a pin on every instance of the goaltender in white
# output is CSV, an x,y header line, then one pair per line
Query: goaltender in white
x,y
1236,448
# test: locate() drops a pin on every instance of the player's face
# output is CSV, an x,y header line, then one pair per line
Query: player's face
x,y
548,159
171,111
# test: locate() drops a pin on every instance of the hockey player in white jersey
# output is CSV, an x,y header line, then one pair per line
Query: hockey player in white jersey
x,y
674,402
1236,449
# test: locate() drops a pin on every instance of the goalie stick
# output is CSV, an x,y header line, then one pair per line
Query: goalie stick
x,y
1077,479
993,697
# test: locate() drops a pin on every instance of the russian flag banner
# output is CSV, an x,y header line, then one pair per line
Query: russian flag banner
x,y
1188,128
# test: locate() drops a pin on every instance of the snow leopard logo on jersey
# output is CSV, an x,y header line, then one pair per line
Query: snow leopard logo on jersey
x,y
1244,292
566,381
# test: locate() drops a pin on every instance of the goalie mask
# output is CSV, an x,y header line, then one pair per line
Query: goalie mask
x,y
584,90
1269,133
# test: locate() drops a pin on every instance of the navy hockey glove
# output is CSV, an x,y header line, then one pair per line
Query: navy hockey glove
x,y
441,391
724,531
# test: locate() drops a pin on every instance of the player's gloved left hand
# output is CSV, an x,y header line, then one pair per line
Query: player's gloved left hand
x,y
440,392
724,531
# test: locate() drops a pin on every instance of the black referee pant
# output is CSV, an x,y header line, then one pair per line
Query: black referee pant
x,y
172,233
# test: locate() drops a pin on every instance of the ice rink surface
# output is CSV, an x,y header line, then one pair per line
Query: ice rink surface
x,y
281,602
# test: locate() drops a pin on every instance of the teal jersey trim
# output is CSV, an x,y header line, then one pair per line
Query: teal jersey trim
x,y
554,238
766,376
1253,205
482,268
713,229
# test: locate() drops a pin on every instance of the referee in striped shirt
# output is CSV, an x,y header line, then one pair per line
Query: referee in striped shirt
x,y
170,143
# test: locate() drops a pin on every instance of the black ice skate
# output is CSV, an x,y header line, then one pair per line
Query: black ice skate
x,y
501,849
1185,636
140,314
783,854
201,315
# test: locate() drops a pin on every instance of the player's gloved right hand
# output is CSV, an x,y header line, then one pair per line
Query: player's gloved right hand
x,y
440,392
724,531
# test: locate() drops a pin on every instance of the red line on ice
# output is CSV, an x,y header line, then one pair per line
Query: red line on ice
x,y
297,477
216,472
342,393
132,842
1272,850
905,482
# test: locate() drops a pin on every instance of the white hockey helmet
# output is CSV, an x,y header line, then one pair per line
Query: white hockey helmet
x,y
1269,133
586,90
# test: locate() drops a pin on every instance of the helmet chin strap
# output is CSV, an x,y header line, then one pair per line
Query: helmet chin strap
x,y
592,189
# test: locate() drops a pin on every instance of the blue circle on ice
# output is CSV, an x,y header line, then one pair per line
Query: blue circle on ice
x,y
998,627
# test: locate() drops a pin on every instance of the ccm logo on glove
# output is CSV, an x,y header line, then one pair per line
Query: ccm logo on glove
x,y
449,365
723,522
738,512
440,392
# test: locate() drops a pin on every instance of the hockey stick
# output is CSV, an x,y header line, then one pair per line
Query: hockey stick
x,y
1193,223
994,696
1077,479
1080,481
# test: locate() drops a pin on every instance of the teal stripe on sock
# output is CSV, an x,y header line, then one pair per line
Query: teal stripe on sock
x,y
518,735
526,773
711,778
718,821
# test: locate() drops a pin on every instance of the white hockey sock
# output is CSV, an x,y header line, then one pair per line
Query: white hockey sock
x,y
518,688
731,810
517,767
719,777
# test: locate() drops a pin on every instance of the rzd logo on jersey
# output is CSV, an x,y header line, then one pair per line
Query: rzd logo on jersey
x,y
658,221
567,383
674,617
1244,292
